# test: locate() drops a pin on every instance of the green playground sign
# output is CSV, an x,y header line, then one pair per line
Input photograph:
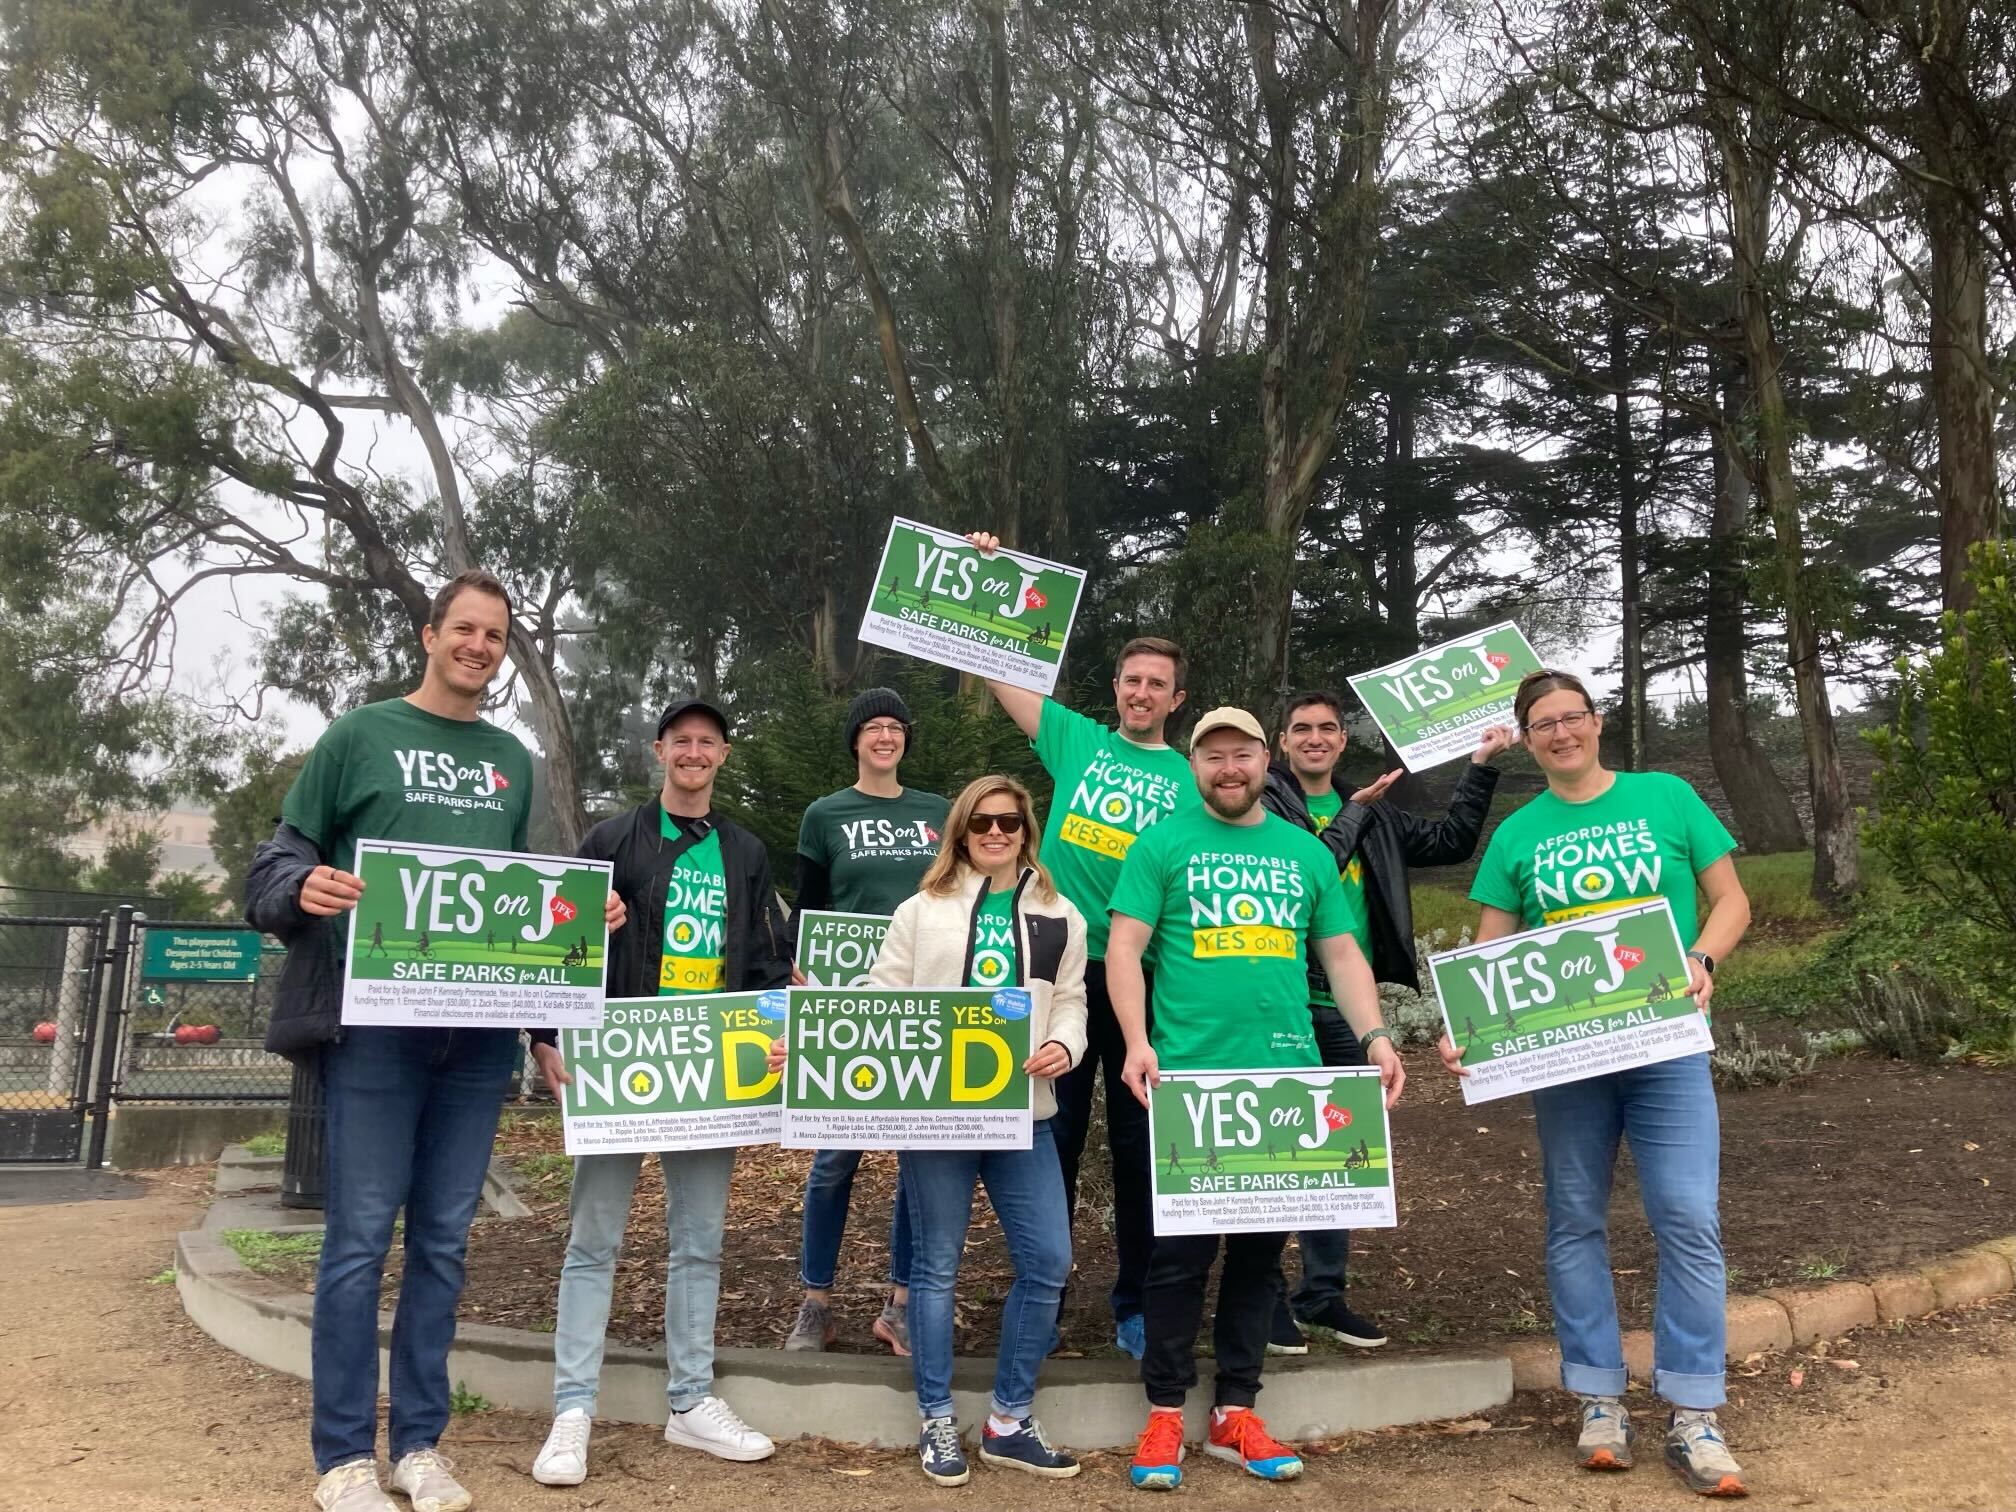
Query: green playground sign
x,y
1433,706
907,1069
838,949
200,955
476,938
1266,1151
673,1073
1599,994
1005,616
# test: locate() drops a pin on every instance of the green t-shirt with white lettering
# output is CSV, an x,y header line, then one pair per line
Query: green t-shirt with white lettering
x,y
875,850
392,771
1108,792
1322,809
696,904
1233,908
993,959
1648,835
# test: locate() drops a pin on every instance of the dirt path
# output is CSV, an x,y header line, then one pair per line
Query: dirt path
x,y
111,1399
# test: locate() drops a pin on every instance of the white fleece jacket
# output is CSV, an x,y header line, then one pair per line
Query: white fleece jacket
x,y
930,941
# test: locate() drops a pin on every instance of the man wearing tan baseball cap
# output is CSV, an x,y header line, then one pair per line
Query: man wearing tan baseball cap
x,y
1227,999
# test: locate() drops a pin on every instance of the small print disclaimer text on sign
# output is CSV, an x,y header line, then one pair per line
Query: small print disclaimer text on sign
x,y
1599,994
1238,1152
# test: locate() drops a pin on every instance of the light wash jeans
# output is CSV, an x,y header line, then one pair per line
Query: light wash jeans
x,y
1668,1113
1026,1188
696,1206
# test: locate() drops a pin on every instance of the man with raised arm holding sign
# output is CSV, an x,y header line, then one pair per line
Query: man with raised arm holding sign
x,y
1112,786
412,1111
1235,899
1374,842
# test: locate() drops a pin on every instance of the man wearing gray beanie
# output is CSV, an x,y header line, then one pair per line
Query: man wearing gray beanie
x,y
860,850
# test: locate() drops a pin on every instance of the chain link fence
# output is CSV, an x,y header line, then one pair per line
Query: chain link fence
x,y
48,980
197,1004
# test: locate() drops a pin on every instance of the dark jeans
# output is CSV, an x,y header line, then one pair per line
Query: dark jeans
x,y
829,1186
1126,1140
1326,1253
1249,1286
412,1116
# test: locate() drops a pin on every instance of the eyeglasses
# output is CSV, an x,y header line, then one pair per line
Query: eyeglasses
x,y
1008,824
1574,721
884,727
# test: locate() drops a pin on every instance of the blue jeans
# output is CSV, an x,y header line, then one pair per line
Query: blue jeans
x,y
1027,1190
827,1190
412,1116
696,1207
1668,1113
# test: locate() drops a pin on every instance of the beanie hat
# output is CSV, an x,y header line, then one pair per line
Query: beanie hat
x,y
875,703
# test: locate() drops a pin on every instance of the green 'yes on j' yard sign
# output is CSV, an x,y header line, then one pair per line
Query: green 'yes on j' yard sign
x,y
454,916
1567,983
1434,705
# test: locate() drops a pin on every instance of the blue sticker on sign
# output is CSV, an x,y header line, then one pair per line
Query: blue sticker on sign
x,y
770,1005
1012,1003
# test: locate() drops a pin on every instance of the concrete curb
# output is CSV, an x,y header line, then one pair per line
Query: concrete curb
x,y
1782,1317
1086,1404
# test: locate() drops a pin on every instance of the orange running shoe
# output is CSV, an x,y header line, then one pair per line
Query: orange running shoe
x,y
1238,1435
1158,1453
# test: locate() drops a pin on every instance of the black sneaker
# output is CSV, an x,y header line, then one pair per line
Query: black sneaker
x,y
1333,1320
1283,1337
1026,1449
938,1448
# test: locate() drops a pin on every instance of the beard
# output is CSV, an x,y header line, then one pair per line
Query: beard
x,y
1233,806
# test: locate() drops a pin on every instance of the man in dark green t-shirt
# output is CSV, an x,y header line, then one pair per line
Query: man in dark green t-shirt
x,y
412,1112
1112,786
1234,900
863,849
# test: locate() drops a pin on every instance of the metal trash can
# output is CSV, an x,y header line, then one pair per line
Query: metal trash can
x,y
304,1174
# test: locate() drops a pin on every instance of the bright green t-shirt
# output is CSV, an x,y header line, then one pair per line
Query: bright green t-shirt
x,y
1322,809
993,960
1647,836
391,771
696,904
1233,908
1109,791
875,850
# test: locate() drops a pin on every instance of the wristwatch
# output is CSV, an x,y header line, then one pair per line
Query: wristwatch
x,y
1707,961
1382,1032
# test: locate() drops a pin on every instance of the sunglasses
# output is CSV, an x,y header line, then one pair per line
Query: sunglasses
x,y
1008,824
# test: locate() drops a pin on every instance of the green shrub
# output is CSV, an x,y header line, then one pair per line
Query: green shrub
x,y
1946,789
1744,1062
1919,982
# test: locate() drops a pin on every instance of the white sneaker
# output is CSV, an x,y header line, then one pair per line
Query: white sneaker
x,y
564,1460
422,1477
353,1488
713,1428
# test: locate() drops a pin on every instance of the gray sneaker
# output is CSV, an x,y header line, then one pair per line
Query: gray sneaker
x,y
893,1327
353,1488
1607,1435
1695,1449
814,1332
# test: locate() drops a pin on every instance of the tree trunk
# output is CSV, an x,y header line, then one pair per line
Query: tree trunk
x,y
1766,821
1629,567
556,738
1963,395
1836,846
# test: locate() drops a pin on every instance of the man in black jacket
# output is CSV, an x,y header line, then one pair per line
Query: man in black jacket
x,y
705,920
412,1111
1374,841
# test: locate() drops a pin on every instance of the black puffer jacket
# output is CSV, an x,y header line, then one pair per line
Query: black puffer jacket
x,y
755,944
1388,840
308,1004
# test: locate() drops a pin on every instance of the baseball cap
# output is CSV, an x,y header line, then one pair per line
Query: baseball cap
x,y
681,706
1228,717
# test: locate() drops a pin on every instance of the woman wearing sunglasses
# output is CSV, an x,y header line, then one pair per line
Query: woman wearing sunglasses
x,y
1597,840
987,915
